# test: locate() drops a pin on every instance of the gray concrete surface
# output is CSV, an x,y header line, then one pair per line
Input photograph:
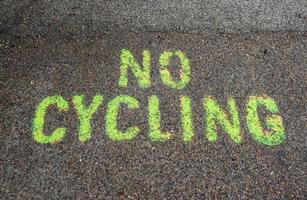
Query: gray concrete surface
x,y
38,17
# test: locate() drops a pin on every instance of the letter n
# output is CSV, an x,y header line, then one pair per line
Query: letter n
x,y
229,123
142,75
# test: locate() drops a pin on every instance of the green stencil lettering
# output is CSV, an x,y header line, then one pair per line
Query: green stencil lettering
x,y
127,61
39,120
154,121
85,114
186,118
111,118
275,133
215,113
166,76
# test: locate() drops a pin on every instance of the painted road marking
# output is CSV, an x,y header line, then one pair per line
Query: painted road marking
x,y
272,134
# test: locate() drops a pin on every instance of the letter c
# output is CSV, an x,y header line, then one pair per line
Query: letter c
x,y
39,120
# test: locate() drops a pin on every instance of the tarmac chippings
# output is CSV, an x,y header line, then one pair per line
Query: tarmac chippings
x,y
222,66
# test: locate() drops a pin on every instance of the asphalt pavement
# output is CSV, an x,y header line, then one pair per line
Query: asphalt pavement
x,y
236,49
37,18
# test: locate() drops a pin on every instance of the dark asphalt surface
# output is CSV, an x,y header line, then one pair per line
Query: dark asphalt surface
x,y
41,17
72,47
222,65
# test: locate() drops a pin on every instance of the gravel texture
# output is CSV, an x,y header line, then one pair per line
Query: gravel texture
x,y
222,65
236,48
39,17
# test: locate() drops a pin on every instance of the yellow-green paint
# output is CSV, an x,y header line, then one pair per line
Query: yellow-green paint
x,y
275,133
39,120
213,113
111,118
85,114
142,75
154,120
186,118
166,76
